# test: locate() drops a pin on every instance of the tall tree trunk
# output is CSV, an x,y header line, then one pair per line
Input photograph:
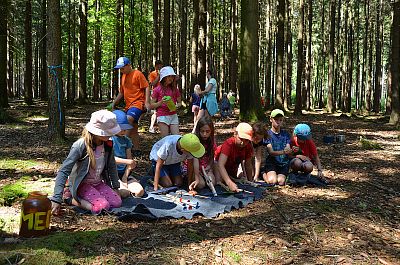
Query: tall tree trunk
x,y
28,93
395,63
349,73
280,50
194,43
365,54
300,59
69,53
73,55
357,19
166,45
202,43
183,46
234,49
82,55
250,107
323,55
331,67
378,58
96,57
308,56
3,54
56,125
289,53
156,30
10,43
119,49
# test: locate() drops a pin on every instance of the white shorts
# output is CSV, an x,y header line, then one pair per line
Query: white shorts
x,y
169,119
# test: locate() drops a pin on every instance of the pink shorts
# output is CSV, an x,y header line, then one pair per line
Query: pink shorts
x,y
195,108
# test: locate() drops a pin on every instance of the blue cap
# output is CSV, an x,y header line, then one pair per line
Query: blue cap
x,y
121,62
302,131
122,120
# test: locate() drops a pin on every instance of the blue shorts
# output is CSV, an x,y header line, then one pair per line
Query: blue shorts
x,y
271,165
135,113
172,170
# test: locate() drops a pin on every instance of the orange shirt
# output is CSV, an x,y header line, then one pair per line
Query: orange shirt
x,y
133,87
152,76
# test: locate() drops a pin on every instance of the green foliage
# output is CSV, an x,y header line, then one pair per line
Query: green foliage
x,y
235,256
11,192
369,145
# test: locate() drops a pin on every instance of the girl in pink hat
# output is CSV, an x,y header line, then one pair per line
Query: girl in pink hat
x,y
90,168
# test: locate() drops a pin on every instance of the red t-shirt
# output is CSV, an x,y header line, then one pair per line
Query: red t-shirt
x,y
307,147
234,153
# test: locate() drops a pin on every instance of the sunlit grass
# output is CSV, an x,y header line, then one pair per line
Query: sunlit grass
x,y
17,164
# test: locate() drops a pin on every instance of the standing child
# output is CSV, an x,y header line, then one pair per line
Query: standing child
x,y
91,168
123,157
154,81
167,117
260,139
225,106
232,152
167,154
205,132
195,100
278,146
305,151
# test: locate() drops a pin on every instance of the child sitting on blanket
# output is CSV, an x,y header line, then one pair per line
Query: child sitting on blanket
x,y
304,151
167,154
232,152
205,132
90,168
123,157
260,139
278,146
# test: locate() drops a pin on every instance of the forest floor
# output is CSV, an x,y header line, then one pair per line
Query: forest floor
x,y
355,220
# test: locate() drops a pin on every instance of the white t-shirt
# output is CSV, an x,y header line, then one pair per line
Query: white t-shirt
x,y
166,150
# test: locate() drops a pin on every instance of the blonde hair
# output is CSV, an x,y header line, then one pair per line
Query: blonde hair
x,y
88,139
197,88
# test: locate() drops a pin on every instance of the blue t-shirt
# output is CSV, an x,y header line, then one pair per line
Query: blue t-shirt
x,y
278,142
195,99
120,144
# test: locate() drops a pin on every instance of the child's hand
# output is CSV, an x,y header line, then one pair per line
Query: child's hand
x,y
55,208
193,185
287,150
131,163
232,186
320,174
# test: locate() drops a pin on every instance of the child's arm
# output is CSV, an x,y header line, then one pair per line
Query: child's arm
x,y
224,174
147,98
273,152
159,165
178,102
257,163
130,164
319,167
248,168
196,172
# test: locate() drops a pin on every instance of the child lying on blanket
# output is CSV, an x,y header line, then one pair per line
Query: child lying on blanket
x,y
304,151
205,132
167,154
232,152
123,157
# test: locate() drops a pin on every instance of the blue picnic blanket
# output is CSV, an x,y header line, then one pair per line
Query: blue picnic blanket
x,y
176,203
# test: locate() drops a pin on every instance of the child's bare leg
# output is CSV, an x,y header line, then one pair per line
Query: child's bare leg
x,y
270,177
84,204
217,175
296,164
164,129
165,181
135,188
174,129
281,179
307,167
201,184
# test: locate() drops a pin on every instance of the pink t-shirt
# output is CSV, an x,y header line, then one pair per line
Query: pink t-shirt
x,y
94,174
158,93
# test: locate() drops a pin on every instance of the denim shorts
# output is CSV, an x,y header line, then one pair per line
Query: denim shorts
x,y
172,170
135,113
271,165
169,119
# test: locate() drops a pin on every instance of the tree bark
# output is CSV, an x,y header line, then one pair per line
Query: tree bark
x,y
56,125
3,54
280,50
194,43
331,67
378,58
300,59
395,63
249,93
96,57
82,55
166,46
28,93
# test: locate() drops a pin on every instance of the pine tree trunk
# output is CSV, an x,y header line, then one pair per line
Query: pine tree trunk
x,y
82,55
234,49
28,93
156,30
357,92
280,50
289,53
3,54
308,63
249,93
331,67
395,63
202,43
183,47
56,126
300,59
378,59
69,54
166,46
268,74
194,42
96,57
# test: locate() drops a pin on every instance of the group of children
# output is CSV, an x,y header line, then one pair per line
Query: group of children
x,y
99,165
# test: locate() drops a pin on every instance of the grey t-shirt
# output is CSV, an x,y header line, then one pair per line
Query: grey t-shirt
x,y
166,150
